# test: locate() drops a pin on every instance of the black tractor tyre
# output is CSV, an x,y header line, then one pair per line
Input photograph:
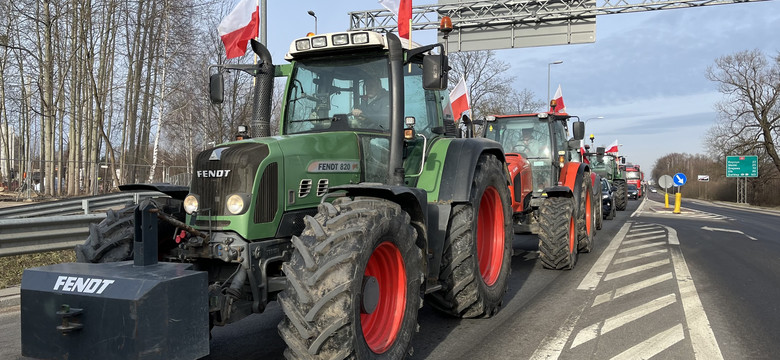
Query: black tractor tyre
x,y
597,201
586,221
353,283
478,247
111,240
621,197
557,233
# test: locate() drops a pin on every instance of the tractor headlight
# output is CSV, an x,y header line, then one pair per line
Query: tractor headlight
x,y
236,204
191,204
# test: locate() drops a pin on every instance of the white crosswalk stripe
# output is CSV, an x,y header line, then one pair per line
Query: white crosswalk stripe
x,y
654,345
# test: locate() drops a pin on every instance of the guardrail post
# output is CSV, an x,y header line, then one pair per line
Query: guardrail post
x,y
85,206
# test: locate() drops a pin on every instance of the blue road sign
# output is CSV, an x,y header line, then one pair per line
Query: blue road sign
x,y
679,179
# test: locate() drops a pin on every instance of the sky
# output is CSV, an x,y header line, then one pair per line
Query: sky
x,y
644,74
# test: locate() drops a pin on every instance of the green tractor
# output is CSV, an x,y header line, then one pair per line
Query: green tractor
x,y
608,166
350,217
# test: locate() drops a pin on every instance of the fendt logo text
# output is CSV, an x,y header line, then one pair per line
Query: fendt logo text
x,y
82,285
212,173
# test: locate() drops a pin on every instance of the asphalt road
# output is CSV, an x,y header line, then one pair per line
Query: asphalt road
x,y
663,285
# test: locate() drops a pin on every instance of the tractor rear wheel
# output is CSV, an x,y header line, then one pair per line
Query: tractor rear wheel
x,y
586,222
353,283
558,233
477,253
621,197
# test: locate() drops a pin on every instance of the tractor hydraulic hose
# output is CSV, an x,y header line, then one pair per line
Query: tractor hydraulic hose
x,y
169,219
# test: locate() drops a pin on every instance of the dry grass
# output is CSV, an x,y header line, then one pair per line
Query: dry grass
x,y
13,266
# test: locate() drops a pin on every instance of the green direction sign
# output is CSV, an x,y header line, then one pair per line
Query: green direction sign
x,y
742,166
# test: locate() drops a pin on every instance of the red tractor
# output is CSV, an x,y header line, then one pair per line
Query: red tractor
x,y
552,195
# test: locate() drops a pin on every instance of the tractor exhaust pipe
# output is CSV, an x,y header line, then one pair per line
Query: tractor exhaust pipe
x,y
263,92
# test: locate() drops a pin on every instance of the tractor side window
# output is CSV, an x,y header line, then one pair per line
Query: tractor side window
x,y
420,103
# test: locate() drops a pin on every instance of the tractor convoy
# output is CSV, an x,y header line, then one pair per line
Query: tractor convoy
x,y
350,218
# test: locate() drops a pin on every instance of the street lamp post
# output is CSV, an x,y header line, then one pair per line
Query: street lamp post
x,y
315,20
548,76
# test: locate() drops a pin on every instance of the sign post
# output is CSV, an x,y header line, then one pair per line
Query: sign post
x,y
742,167
665,181
679,180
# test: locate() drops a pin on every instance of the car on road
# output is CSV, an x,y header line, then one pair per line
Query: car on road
x,y
653,190
607,199
633,192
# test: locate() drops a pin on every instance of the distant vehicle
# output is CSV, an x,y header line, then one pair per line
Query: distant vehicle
x,y
633,192
653,190
608,199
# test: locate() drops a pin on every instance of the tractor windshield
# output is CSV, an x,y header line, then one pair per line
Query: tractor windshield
x,y
530,137
352,94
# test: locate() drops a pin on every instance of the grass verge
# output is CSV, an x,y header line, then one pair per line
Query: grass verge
x,y
13,266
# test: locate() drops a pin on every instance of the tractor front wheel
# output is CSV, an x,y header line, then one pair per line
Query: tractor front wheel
x,y
586,222
621,197
558,233
353,283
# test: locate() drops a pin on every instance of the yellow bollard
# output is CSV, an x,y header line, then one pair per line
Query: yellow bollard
x,y
666,200
677,198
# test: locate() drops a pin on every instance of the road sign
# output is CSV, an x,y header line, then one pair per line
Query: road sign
x,y
704,178
665,181
680,179
742,166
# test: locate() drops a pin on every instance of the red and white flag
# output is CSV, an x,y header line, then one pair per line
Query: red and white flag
x,y
559,106
403,12
459,97
239,27
613,148
582,155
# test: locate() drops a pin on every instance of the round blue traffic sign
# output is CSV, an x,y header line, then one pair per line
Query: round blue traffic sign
x,y
679,179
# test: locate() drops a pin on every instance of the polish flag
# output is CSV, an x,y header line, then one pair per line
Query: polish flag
x,y
613,148
403,12
459,97
582,155
559,107
239,27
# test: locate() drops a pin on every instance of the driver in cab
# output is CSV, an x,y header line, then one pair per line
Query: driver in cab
x,y
527,144
374,106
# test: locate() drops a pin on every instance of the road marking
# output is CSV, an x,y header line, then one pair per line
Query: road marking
x,y
593,277
640,256
636,269
639,226
702,338
615,322
728,230
639,208
552,346
628,289
654,345
644,233
641,240
640,247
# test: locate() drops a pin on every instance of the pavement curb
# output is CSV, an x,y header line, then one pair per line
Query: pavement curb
x,y
9,297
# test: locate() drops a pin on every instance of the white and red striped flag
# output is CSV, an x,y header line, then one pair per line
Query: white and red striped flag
x,y
239,27
613,148
403,12
559,106
459,98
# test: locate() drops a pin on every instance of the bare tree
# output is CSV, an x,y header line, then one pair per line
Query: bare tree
x,y
749,116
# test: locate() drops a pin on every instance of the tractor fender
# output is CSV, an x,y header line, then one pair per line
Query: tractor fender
x,y
412,200
177,192
459,167
570,179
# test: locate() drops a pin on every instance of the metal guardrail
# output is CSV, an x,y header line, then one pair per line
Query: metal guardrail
x,y
31,235
84,205
51,226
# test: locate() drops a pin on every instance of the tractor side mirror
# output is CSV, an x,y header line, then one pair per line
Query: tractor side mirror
x,y
435,72
600,150
216,88
578,130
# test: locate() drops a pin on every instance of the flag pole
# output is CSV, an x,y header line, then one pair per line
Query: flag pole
x,y
410,41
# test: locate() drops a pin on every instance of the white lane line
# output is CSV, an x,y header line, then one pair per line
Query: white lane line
x,y
615,322
640,247
636,269
702,338
654,345
552,346
628,289
640,208
644,233
641,256
672,234
641,240
643,226
596,272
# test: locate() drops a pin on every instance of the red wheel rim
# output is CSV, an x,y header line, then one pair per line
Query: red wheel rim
x,y
572,235
380,328
490,236
588,213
